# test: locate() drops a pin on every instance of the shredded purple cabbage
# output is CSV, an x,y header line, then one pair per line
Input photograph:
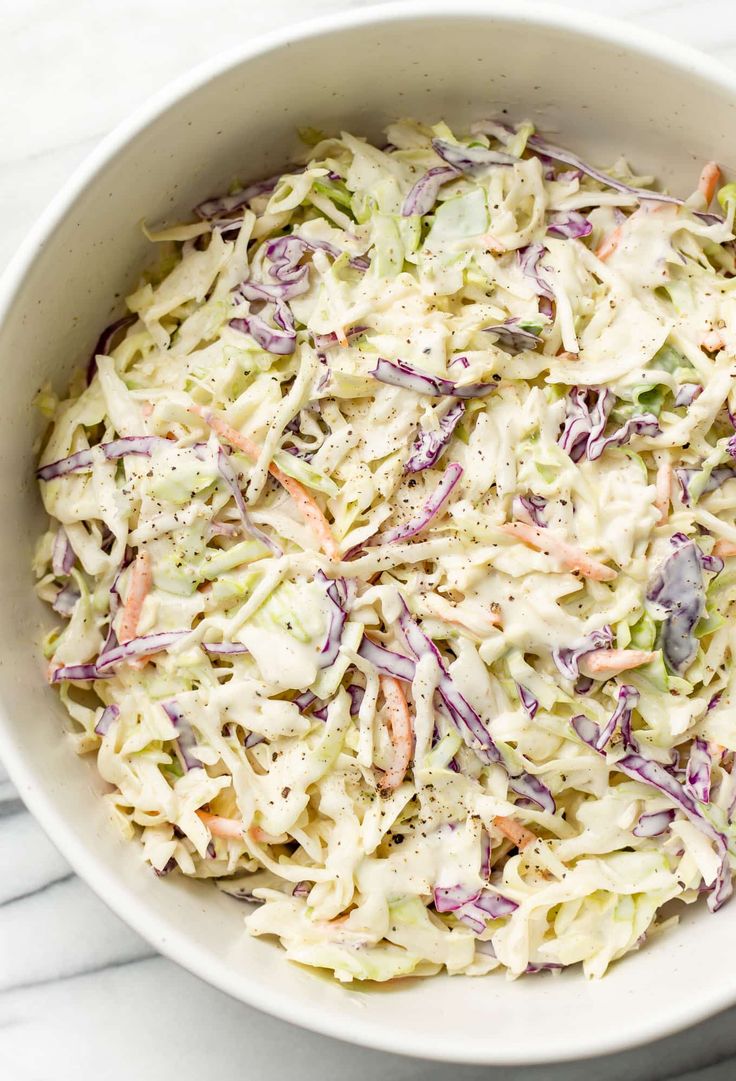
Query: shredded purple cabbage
x,y
429,511
185,738
423,195
567,658
82,673
400,374
108,715
586,418
687,393
678,590
528,701
698,771
337,597
226,204
224,649
642,424
529,508
470,159
597,738
144,646
279,339
654,774
65,600
62,554
653,824
528,258
473,907
386,661
570,225
103,344
718,477
85,459
429,445
228,474
512,337
462,714
535,791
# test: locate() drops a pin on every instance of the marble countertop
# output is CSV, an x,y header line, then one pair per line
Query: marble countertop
x,y
81,995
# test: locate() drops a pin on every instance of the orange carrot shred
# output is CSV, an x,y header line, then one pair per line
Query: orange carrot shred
x,y
568,554
139,586
402,735
709,180
514,831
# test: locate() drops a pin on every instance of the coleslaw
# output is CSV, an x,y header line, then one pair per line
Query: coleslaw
x,y
392,536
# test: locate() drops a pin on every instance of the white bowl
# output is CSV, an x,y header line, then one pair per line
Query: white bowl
x,y
608,89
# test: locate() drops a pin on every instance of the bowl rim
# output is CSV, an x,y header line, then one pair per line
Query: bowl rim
x,y
643,1026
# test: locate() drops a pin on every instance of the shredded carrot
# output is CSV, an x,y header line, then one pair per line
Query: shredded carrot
x,y
724,549
307,505
402,735
222,827
612,661
514,831
494,246
663,490
709,180
568,554
263,838
608,245
713,341
147,409
341,337
139,586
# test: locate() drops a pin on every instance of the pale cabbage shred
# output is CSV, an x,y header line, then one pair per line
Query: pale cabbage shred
x,y
306,795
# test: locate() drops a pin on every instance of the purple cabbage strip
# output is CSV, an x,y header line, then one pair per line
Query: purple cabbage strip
x,y
230,478
356,697
82,673
386,661
528,258
144,646
654,774
570,225
423,195
84,459
715,700
528,701
226,204
643,424
400,374
567,658
271,291
336,595
253,739
429,511
529,508
167,868
62,554
104,343
557,153
280,339
585,420
302,889
65,600
597,738
224,649
304,700
429,445
462,714
677,587
718,477
326,341
532,789
653,824
185,738
687,393
108,715
470,159
697,773
474,908
512,337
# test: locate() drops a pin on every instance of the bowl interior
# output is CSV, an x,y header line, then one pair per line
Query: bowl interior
x,y
606,95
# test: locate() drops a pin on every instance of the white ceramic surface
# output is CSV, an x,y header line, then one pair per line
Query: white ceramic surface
x,y
627,94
